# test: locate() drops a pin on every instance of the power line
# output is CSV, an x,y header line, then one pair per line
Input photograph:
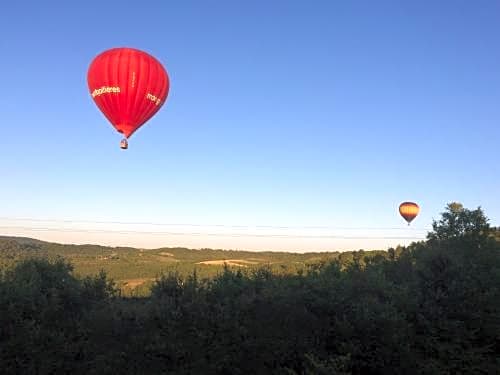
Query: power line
x,y
75,221
285,236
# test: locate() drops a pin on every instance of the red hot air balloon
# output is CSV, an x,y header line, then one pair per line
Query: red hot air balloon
x,y
129,86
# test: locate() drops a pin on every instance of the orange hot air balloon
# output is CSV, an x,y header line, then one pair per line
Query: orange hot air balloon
x,y
409,211
129,86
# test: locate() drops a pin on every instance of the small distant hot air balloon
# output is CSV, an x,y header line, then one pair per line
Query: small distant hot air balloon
x,y
409,211
129,86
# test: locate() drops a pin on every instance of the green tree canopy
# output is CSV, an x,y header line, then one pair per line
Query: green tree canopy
x,y
458,222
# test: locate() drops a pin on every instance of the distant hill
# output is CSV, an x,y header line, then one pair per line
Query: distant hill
x,y
23,240
134,267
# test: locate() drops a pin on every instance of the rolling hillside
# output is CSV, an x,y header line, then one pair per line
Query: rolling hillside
x,y
135,269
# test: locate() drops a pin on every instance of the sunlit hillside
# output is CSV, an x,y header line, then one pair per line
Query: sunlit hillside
x,y
134,270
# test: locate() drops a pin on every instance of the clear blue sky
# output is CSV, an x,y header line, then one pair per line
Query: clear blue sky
x,y
280,113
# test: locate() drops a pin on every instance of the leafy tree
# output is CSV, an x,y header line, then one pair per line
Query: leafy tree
x,y
458,222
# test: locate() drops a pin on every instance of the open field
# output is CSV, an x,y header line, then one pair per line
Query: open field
x,y
230,262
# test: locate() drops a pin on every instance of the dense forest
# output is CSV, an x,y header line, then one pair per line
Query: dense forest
x,y
432,307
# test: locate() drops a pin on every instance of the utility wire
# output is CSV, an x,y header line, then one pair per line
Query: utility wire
x,y
71,230
205,225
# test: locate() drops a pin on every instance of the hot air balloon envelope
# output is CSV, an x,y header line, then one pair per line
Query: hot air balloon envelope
x,y
409,211
129,86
